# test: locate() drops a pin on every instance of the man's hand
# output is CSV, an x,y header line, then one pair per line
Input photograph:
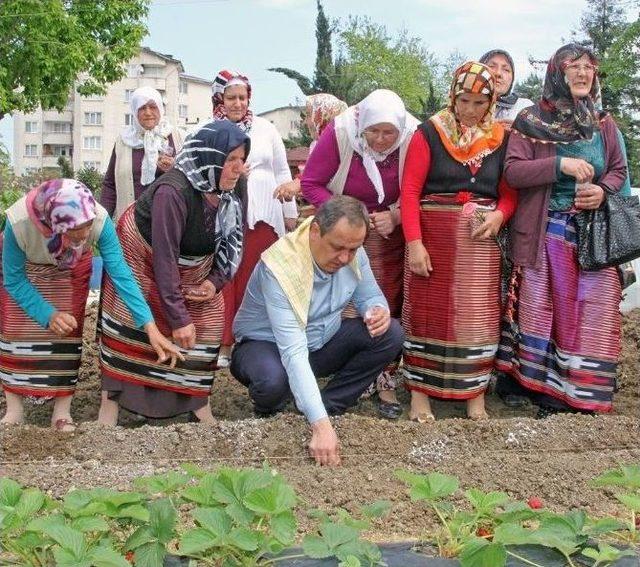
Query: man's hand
x,y
377,320
62,323
185,337
324,446
203,292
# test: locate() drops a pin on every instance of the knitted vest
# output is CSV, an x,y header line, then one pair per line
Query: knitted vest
x,y
195,240
448,175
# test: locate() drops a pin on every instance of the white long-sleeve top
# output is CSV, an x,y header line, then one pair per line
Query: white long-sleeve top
x,y
268,169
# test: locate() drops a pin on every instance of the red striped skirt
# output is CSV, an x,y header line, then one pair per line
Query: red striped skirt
x,y
452,318
386,256
34,361
125,352
256,241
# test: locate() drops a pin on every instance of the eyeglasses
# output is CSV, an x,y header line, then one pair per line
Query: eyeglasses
x,y
575,68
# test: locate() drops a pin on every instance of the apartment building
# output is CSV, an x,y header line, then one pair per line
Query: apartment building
x,y
286,119
85,131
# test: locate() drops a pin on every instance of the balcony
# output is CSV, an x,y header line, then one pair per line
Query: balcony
x,y
58,139
55,116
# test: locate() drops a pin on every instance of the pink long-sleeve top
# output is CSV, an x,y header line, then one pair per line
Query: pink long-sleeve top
x,y
324,162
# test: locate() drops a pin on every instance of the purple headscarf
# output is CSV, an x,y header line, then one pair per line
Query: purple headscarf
x,y
59,205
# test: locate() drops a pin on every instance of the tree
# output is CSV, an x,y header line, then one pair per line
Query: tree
x,y
92,178
46,45
530,88
616,42
66,169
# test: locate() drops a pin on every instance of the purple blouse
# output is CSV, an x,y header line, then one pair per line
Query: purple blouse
x,y
108,195
323,164
169,218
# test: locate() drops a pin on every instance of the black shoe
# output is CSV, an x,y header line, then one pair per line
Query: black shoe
x,y
547,411
514,400
389,410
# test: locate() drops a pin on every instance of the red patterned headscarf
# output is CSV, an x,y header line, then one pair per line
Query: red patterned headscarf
x,y
224,79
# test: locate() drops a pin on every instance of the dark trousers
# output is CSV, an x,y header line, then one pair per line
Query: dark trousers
x,y
352,356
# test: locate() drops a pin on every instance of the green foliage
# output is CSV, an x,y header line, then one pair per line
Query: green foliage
x,y
66,169
616,42
45,45
530,88
92,178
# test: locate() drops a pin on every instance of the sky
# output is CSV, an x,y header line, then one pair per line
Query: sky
x,y
250,36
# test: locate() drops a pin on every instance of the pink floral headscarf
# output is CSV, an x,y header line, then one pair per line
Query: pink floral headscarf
x,y
59,205
224,79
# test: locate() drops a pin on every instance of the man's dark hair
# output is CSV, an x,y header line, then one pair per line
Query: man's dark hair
x,y
338,207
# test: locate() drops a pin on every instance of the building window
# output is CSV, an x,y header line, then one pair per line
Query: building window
x,y
93,118
127,95
56,150
183,87
182,110
57,127
91,165
135,70
128,119
31,127
92,143
31,150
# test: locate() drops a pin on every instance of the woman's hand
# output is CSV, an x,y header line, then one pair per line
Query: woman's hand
x,y
290,224
419,260
383,222
287,191
203,292
490,227
62,323
165,162
163,346
185,336
578,168
589,196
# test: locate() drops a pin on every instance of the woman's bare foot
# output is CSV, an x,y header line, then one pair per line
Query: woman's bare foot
x,y
109,410
476,409
388,396
61,419
204,414
15,412
420,408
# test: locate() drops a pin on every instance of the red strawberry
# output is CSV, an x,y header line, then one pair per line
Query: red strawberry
x,y
535,503
484,532
638,522
129,556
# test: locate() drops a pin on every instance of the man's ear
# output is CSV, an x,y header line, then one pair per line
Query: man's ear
x,y
314,230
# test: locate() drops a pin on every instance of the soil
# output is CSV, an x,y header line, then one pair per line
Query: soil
x,y
553,459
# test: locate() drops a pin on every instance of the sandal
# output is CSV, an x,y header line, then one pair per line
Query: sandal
x,y
64,425
389,410
422,417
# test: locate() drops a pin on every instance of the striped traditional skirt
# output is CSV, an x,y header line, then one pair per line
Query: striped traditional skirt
x,y
125,352
386,256
452,318
562,336
35,361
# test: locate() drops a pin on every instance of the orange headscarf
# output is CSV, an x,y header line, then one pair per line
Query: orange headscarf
x,y
469,144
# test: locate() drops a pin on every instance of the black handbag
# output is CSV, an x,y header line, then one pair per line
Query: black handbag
x,y
609,235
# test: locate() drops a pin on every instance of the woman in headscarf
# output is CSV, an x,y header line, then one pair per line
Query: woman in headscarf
x,y
362,154
267,218
320,109
508,103
142,152
454,201
46,251
561,340
183,239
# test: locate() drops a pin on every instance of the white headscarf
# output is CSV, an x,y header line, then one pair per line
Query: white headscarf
x,y
380,106
135,136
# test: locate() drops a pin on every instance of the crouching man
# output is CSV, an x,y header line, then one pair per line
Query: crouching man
x,y
289,327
